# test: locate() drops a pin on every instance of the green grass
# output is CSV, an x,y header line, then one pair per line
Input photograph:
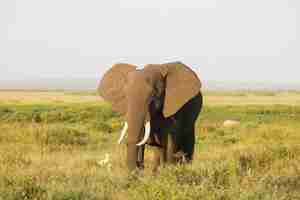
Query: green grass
x,y
52,150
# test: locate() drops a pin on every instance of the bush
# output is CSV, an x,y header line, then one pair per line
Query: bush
x,y
59,134
53,114
23,188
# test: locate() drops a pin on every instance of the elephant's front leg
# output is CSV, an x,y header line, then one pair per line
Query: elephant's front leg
x,y
165,153
170,149
140,158
141,150
160,154
157,157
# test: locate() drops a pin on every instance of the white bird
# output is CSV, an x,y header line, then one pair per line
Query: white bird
x,y
231,123
104,161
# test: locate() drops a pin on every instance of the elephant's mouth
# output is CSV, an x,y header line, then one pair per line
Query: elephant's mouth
x,y
154,140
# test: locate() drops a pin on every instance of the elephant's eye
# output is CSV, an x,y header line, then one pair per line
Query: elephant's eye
x,y
155,102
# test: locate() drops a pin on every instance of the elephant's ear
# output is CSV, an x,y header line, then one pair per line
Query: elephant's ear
x,y
111,86
182,84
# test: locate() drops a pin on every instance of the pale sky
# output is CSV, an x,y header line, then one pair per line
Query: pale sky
x,y
220,39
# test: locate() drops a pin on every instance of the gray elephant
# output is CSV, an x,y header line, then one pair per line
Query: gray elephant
x,y
161,103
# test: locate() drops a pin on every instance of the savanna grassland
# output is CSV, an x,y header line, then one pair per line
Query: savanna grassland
x,y
52,145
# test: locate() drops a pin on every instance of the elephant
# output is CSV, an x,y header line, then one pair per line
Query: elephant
x,y
161,103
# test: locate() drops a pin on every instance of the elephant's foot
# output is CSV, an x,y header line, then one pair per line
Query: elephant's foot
x,y
140,165
180,157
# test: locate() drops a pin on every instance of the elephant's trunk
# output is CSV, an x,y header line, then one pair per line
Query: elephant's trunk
x,y
135,119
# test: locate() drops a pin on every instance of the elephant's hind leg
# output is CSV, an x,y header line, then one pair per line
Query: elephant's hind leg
x,y
188,143
187,119
184,142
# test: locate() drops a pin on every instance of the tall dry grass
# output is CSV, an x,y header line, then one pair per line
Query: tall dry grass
x,y
54,150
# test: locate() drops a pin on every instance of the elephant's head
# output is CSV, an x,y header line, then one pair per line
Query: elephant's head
x,y
139,94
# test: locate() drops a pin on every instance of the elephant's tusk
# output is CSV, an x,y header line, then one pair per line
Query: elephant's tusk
x,y
123,133
147,134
